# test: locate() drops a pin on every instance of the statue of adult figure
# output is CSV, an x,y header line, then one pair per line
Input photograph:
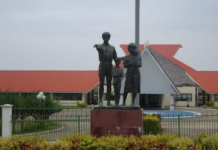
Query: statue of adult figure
x,y
133,78
106,54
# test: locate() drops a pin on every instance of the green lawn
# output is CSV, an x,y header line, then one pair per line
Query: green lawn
x,y
51,126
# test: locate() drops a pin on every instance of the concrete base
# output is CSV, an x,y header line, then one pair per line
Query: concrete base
x,y
116,122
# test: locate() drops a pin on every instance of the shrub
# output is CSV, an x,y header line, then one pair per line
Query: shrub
x,y
33,126
210,103
181,143
151,125
30,126
88,142
81,105
199,138
210,142
24,143
30,101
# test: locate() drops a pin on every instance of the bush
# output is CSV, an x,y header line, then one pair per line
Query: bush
x,y
151,125
210,103
30,126
199,138
33,126
88,142
81,105
30,101
24,143
209,142
182,143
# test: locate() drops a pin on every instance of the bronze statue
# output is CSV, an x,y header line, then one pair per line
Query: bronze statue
x,y
106,54
133,78
117,74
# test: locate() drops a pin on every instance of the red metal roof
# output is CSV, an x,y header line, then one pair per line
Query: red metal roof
x,y
48,81
208,80
167,50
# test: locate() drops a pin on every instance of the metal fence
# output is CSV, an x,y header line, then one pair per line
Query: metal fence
x,y
0,121
52,123
183,125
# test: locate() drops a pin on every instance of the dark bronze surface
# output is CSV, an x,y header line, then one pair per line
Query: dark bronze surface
x,y
117,74
133,77
106,54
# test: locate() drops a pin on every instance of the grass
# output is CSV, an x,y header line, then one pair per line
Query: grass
x,y
215,107
52,126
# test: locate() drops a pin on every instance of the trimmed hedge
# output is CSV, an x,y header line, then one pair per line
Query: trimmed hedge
x,y
88,142
151,124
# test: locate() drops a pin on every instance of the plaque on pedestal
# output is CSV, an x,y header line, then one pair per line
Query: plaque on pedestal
x,y
114,121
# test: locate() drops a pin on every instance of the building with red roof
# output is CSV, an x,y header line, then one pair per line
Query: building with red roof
x,y
73,86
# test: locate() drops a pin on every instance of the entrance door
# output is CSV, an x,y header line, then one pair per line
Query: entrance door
x,y
91,97
149,100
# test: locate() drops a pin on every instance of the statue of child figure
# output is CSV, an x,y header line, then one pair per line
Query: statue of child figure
x,y
117,74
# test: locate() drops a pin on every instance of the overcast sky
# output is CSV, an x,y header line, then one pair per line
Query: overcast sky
x,y
60,34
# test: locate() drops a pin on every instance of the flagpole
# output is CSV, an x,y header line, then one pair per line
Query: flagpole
x,y
137,9
137,3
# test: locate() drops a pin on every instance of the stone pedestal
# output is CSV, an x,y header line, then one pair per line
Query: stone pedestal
x,y
115,121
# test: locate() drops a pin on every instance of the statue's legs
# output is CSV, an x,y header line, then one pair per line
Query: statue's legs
x,y
108,77
101,90
118,92
117,87
124,99
133,99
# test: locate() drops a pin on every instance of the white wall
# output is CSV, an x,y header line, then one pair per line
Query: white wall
x,y
182,90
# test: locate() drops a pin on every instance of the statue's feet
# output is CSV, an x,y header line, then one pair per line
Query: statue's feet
x,y
100,104
132,104
122,104
116,105
109,104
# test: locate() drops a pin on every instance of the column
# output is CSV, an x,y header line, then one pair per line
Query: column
x,y
171,102
6,120
162,100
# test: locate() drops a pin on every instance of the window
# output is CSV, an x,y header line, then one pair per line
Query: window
x,y
67,96
216,97
183,97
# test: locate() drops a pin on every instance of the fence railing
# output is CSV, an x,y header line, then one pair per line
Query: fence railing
x,y
52,123
182,125
0,121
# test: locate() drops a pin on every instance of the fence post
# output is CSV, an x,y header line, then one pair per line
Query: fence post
x,y
79,124
6,120
179,125
0,122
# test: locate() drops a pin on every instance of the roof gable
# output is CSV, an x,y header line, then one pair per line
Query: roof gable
x,y
176,74
153,78
48,81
